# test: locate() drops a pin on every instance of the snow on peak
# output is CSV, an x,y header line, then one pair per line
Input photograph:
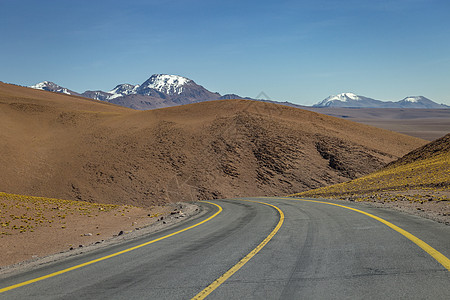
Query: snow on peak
x,y
413,99
50,86
42,85
123,90
168,84
343,97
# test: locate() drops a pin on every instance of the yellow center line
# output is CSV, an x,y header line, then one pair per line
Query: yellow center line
x,y
209,289
111,255
441,258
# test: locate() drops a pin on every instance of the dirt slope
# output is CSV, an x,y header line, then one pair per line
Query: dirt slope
x,y
427,167
68,147
418,182
438,147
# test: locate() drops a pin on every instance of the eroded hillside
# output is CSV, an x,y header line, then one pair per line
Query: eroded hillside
x,y
73,148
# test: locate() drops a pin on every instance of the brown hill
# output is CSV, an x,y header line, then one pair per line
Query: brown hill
x,y
418,183
438,147
427,168
69,147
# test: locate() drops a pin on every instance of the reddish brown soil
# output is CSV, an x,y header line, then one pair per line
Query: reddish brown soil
x,y
69,147
75,230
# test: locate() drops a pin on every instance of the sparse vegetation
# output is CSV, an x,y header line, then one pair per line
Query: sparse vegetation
x,y
421,176
19,214
429,174
32,227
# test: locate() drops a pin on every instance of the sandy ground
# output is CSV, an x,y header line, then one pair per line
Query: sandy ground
x,y
79,233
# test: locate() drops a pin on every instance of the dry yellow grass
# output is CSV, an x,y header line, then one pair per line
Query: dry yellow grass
x,y
19,214
32,227
431,174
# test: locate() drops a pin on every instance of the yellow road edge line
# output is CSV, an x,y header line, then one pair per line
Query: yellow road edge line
x,y
111,255
210,288
441,258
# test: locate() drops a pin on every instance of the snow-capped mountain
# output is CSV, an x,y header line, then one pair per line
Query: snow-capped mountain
x,y
52,87
97,95
160,90
119,91
353,100
167,84
343,97
175,90
123,90
419,102
348,100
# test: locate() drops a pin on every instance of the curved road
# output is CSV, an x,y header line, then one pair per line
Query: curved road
x,y
318,251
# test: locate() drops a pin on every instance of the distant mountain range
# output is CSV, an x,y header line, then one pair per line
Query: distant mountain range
x,y
53,87
352,100
162,90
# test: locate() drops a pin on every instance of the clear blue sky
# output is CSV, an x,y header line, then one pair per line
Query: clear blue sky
x,y
298,51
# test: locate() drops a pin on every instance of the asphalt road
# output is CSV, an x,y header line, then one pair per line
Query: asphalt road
x,y
320,251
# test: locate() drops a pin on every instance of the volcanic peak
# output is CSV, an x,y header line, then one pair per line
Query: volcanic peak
x,y
168,84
